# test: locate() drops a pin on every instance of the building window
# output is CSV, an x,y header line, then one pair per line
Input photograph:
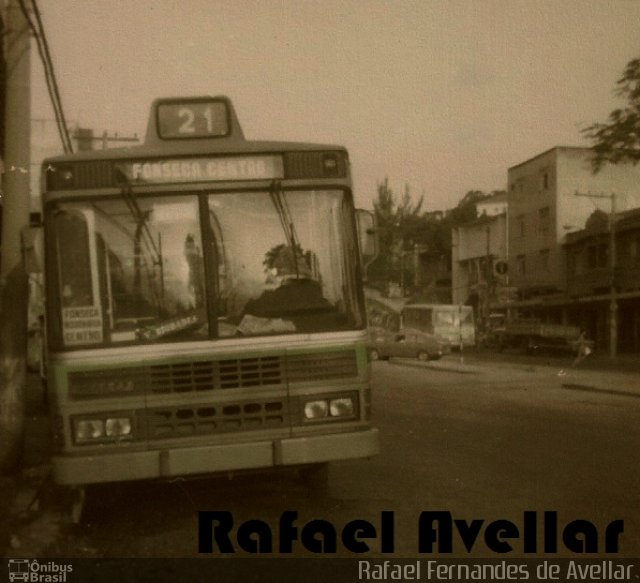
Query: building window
x,y
517,187
603,254
598,256
521,265
545,180
572,262
544,259
578,261
520,230
623,252
592,256
544,219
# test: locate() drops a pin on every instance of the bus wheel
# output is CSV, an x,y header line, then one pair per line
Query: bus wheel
x,y
422,355
374,355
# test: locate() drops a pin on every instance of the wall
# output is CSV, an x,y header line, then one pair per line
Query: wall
x,y
469,247
533,224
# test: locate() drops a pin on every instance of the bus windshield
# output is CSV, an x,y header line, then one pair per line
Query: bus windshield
x,y
150,268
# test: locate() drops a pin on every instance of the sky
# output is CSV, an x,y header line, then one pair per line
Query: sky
x,y
437,96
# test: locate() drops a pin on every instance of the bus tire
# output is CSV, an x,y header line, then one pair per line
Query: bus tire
x,y
374,355
423,356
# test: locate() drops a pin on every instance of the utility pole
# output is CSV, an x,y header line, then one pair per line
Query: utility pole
x,y
14,288
85,139
613,300
488,277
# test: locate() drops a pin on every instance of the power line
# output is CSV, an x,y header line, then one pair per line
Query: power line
x,y
52,85
45,45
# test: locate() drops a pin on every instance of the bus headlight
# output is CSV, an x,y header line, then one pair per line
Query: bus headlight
x,y
100,430
316,409
88,429
117,427
338,407
341,407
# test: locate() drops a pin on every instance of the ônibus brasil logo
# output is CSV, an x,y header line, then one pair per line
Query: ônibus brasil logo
x,y
31,570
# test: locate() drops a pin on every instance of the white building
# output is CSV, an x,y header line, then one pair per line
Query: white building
x,y
544,207
477,247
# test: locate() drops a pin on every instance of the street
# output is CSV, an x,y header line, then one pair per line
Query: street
x,y
482,440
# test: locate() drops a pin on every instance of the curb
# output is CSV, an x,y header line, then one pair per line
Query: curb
x,y
434,366
592,389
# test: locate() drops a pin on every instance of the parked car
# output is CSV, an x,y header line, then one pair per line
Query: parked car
x,y
405,343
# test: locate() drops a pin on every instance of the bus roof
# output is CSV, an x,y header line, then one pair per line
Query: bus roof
x,y
200,147
158,145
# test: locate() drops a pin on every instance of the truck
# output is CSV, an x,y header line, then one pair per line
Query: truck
x,y
533,335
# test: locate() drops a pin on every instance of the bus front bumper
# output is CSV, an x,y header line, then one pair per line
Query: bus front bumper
x,y
210,459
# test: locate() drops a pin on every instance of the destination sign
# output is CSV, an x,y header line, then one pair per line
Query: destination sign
x,y
193,119
205,169
82,325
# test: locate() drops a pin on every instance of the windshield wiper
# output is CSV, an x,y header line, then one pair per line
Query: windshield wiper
x,y
286,221
142,232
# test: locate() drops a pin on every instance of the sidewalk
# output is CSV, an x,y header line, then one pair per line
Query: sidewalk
x,y
24,529
623,363
596,373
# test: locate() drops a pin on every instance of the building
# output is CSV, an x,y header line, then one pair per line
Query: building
x,y
493,205
559,249
436,277
590,275
477,248
544,208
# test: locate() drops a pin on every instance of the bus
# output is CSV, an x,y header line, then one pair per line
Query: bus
x,y
452,325
204,304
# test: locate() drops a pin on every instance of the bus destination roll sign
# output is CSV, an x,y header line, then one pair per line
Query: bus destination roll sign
x,y
193,119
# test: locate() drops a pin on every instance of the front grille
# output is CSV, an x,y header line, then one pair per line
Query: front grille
x,y
321,366
205,419
250,372
211,375
182,377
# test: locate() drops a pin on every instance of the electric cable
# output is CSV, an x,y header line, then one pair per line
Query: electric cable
x,y
52,86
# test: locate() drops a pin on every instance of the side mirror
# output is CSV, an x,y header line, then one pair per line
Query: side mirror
x,y
367,236
33,249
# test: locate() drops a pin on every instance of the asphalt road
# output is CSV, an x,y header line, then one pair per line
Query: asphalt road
x,y
488,443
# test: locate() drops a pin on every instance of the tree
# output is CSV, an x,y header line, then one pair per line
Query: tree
x,y
618,140
400,224
465,210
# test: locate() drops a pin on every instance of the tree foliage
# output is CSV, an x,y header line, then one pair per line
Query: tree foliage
x,y
618,140
403,226
399,224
